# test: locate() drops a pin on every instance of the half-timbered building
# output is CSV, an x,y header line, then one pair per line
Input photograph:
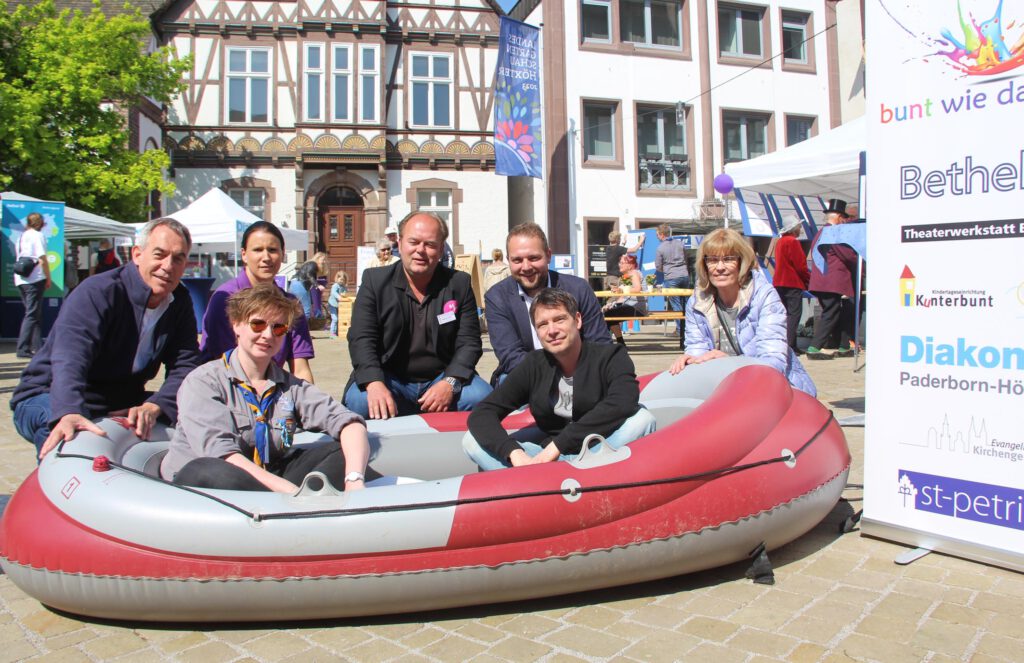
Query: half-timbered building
x,y
339,116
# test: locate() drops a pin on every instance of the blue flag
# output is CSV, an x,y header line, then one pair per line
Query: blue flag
x,y
517,111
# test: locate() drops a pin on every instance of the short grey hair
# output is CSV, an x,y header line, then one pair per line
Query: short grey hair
x,y
383,243
175,226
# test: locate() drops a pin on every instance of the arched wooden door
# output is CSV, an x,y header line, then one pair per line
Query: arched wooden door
x,y
341,229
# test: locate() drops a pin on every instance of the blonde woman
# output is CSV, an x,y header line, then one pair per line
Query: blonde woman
x,y
735,311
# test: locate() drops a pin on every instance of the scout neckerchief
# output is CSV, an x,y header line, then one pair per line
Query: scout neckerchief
x,y
261,408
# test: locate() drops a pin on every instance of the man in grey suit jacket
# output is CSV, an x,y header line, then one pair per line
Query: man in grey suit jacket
x,y
508,302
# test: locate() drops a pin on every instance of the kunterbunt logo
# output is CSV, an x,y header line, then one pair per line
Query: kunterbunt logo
x,y
978,41
940,298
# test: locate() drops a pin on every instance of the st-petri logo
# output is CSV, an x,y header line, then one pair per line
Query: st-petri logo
x,y
978,41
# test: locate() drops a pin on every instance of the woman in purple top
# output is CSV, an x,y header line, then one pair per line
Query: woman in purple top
x,y
262,254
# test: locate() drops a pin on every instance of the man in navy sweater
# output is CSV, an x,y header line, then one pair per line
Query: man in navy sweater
x,y
508,302
573,387
112,335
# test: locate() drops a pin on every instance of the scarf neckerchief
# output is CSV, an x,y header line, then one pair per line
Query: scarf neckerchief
x,y
261,408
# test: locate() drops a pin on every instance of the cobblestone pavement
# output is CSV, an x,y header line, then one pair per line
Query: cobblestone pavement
x,y
836,597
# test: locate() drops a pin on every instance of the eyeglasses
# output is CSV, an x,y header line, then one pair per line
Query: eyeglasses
x,y
277,329
711,261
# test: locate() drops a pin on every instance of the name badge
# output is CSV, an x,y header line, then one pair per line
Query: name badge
x,y
445,318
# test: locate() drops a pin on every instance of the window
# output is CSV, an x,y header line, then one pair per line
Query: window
x,y
248,85
431,90
661,142
794,34
251,199
437,201
314,83
653,23
597,21
341,80
798,129
746,135
369,72
739,31
599,140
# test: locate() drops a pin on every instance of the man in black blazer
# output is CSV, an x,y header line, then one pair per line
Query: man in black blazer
x,y
573,387
508,302
415,335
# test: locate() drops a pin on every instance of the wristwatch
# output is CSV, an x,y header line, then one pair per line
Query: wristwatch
x,y
454,384
353,477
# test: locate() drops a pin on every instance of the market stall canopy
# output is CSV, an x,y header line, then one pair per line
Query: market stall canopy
x,y
217,223
79,224
826,166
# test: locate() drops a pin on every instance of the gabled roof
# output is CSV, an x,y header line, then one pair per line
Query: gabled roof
x,y
111,7
907,274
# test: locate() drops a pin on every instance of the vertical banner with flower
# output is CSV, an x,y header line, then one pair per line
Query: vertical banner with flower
x,y
517,111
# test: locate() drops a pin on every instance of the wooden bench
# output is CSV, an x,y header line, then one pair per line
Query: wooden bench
x,y
657,316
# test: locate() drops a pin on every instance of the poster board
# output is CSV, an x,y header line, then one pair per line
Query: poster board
x,y
470,263
13,215
944,448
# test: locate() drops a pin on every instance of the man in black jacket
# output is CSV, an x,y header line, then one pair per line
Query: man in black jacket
x,y
573,387
415,334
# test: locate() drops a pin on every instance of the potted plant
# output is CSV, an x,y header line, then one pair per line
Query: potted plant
x,y
625,283
650,280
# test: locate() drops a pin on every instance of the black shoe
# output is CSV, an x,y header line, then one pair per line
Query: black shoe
x,y
620,341
23,355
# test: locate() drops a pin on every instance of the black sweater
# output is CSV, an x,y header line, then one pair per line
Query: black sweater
x,y
605,394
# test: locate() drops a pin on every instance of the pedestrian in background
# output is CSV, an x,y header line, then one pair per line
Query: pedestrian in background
x,y
791,277
31,287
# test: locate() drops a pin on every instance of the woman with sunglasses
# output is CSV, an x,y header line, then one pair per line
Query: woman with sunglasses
x,y
385,256
238,413
262,254
735,311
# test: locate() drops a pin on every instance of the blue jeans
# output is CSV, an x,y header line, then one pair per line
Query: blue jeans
x,y
407,394
677,303
32,419
30,335
640,424
334,319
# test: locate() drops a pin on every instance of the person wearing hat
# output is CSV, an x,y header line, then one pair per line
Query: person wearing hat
x,y
831,286
391,232
791,277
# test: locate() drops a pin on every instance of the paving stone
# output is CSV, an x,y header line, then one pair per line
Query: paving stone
x,y
339,639
1006,625
480,632
1007,649
596,617
520,649
17,651
587,642
181,642
662,646
319,655
61,656
709,629
423,637
1002,603
888,628
113,645
530,626
812,630
854,595
711,653
374,651
70,639
275,646
863,647
805,652
659,616
209,652
454,648
561,657
959,614
762,642
902,606
48,624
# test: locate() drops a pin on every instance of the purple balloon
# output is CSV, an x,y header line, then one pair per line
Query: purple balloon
x,y
723,184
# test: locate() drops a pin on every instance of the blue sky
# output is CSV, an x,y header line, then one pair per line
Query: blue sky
x,y
507,4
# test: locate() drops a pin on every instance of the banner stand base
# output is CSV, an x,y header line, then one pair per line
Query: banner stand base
x,y
911,556
943,544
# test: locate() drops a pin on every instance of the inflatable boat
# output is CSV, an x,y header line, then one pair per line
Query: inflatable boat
x,y
739,459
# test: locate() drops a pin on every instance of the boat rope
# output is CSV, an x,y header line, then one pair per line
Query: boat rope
x,y
441,504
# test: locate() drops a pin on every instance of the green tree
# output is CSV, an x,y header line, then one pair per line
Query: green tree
x,y
66,81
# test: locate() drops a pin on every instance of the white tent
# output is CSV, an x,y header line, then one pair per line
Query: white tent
x,y
217,223
82,225
827,166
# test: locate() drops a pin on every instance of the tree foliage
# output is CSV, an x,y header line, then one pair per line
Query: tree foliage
x,y
67,80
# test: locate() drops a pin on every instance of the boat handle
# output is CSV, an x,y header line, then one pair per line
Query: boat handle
x,y
315,484
602,448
